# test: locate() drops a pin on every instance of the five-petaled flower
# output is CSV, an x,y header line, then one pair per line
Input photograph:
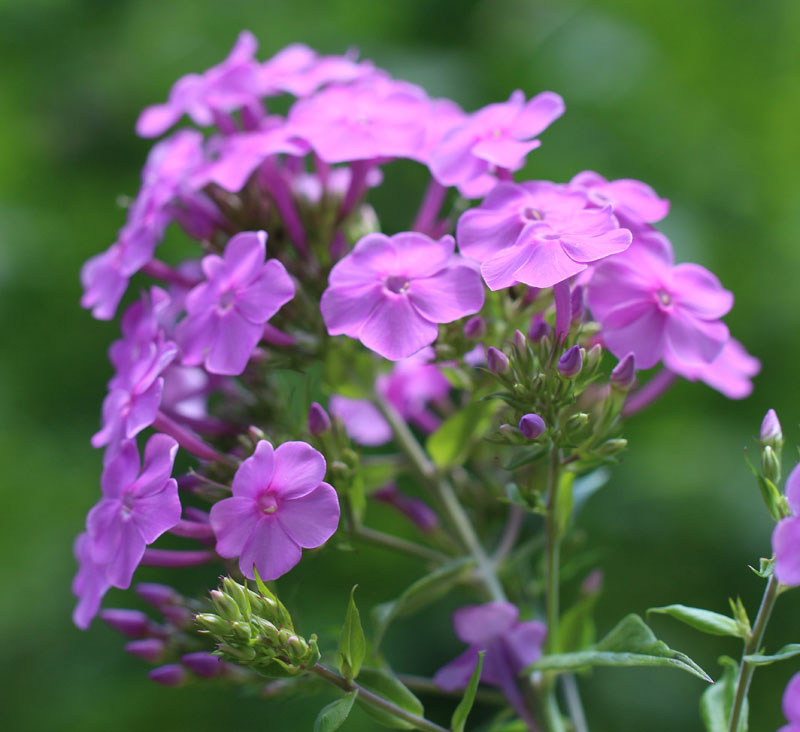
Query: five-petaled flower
x,y
390,292
280,505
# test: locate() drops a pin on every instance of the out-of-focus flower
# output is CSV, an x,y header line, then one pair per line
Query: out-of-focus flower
x,y
633,201
786,536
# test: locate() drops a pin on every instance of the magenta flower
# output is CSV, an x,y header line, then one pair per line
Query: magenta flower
x,y
226,313
538,233
730,373
390,292
363,422
90,583
223,88
791,705
510,647
414,509
786,535
136,508
658,311
280,505
497,137
632,200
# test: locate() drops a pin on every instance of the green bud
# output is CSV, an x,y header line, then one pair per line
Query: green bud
x,y
576,423
612,447
213,624
770,464
225,605
593,358
243,654
241,631
238,593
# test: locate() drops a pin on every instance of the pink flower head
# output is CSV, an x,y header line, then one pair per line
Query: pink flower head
x,y
791,705
280,505
165,177
390,292
632,200
375,118
658,311
497,137
730,373
510,646
136,508
299,71
90,583
226,313
223,88
538,233
786,535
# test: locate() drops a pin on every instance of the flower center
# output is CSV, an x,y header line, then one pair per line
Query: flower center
x,y
532,214
126,509
226,300
397,284
268,504
664,298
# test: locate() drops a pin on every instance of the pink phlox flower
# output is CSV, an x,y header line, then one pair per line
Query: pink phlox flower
x,y
510,646
633,201
280,506
235,157
786,536
411,385
232,84
657,310
312,187
186,390
730,373
390,292
136,508
165,178
538,233
134,396
298,70
791,705
362,420
495,138
90,583
443,115
371,119
226,313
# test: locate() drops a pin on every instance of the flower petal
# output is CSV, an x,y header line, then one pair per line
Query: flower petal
x,y
345,310
395,329
159,458
156,513
456,674
299,469
362,420
234,341
312,519
233,520
270,549
447,296
419,255
500,271
267,294
701,292
255,474
547,265
480,623
786,545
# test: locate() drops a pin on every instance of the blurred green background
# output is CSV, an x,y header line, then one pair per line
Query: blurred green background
x,y
700,99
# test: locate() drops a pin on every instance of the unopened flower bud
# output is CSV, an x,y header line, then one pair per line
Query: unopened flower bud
x,y
241,631
520,342
318,420
173,674
576,303
225,605
131,623
539,329
238,593
593,583
148,649
577,422
532,426
571,362
157,595
475,327
770,464
771,433
214,624
593,358
203,664
507,431
497,361
415,509
623,375
612,447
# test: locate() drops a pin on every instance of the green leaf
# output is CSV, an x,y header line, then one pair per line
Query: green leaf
x,y
576,629
717,701
424,591
630,643
266,592
352,644
465,705
525,455
703,620
386,685
332,716
790,651
451,444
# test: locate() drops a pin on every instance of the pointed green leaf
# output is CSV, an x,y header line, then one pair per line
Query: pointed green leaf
x,y
703,620
790,651
717,701
332,716
266,592
424,591
451,444
465,705
576,629
352,644
387,685
630,643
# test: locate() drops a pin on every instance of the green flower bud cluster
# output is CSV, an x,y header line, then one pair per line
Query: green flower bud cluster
x,y
254,629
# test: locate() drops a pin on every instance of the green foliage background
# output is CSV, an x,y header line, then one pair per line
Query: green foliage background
x,y
700,99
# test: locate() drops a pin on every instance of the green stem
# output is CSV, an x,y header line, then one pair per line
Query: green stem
x,y
428,686
554,722
574,705
752,645
375,701
395,543
552,551
447,497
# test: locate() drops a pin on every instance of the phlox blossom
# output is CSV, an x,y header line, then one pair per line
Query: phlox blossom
x,y
791,705
786,535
